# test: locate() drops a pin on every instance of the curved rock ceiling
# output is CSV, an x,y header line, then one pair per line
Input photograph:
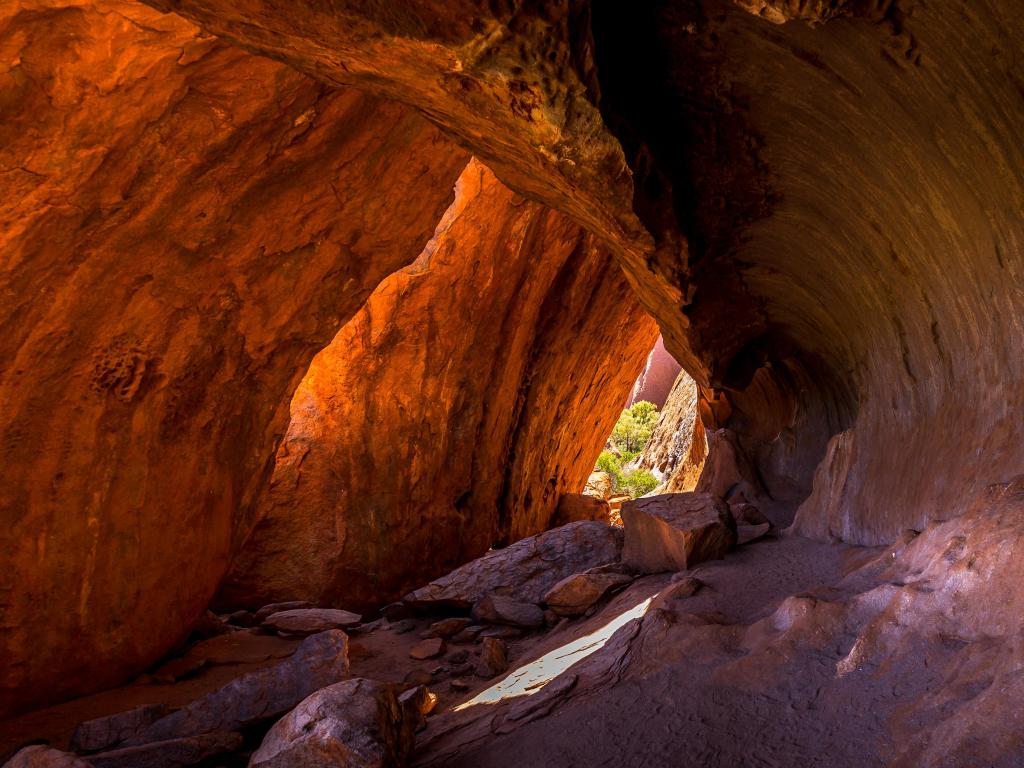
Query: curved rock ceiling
x,y
819,202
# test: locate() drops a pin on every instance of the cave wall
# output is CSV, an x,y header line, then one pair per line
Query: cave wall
x,y
184,226
450,413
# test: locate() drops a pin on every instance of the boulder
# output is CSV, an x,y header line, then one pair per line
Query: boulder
x,y
42,756
573,595
493,658
675,531
308,621
573,507
169,754
319,661
525,570
105,732
355,724
447,628
498,609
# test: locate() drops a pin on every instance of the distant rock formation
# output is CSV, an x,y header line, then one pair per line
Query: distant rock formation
x,y
656,380
678,446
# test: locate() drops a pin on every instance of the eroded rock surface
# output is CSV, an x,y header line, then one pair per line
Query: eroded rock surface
x,y
183,226
422,435
678,446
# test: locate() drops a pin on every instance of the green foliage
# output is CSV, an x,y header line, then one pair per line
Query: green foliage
x,y
639,482
631,433
634,427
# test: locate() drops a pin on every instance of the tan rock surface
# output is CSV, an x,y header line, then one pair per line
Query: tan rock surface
x,y
676,531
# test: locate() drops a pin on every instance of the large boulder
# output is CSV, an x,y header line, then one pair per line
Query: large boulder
x,y
675,531
319,661
105,732
526,570
355,724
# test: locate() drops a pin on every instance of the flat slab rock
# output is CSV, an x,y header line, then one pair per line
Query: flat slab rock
x,y
308,621
105,732
676,531
354,724
526,570
499,609
319,661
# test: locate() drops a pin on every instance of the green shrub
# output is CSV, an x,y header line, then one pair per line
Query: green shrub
x,y
635,426
639,482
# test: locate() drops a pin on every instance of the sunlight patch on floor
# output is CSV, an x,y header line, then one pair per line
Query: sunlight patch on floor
x,y
532,677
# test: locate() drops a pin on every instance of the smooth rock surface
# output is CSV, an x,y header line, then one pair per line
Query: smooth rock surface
x,y
525,570
573,595
676,531
105,732
42,756
500,609
319,661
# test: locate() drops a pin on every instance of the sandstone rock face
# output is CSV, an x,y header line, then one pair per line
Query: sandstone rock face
x,y
183,227
355,724
657,378
319,661
425,426
526,570
678,446
676,531
105,732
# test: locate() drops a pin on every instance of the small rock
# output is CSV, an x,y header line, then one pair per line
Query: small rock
x,y
498,609
573,507
493,658
419,677
165,754
380,625
354,724
462,670
241,618
178,669
446,628
550,618
419,699
469,634
505,633
301,622
458,657
42,756
748,514
572,596
272,608
440,669
427,649
459,685
106,732
404,626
